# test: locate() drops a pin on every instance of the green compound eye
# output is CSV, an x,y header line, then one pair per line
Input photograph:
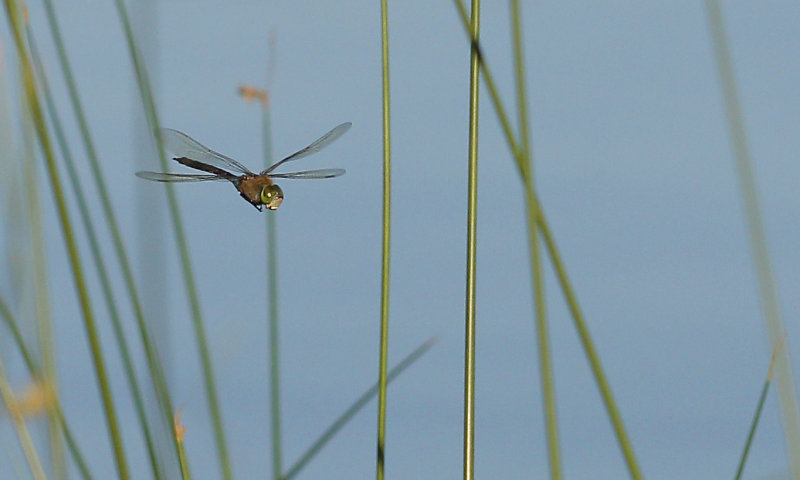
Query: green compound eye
x,y
272,196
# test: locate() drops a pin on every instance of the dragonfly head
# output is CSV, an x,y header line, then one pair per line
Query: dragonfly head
x,y
272,196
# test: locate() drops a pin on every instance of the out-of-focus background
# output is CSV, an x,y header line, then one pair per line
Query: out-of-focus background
x,y
634,169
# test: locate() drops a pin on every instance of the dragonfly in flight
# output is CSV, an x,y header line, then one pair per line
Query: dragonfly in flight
x,y
257,188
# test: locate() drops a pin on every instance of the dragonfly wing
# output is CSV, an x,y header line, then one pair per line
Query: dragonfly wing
x,y
181,145
316,146
324,173
177,177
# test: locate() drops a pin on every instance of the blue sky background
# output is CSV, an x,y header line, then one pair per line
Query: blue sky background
x,y
634,170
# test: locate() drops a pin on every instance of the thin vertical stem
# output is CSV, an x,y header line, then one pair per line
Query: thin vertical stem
x,y
472,226
385,251
253,93
272,290
534,249
770,306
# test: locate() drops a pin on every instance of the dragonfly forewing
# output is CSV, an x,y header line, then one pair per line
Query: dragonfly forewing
x,y
181,145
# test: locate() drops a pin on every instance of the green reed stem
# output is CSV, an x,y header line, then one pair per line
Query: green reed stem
x,y
44,317
12,325
272,291
472,248
180,239
102,271
183,460
494,93
20,426
770,305
760,408
34,106
385,246
37,256
36,373
536,216
537,280
186,474
153,362
351,411
33,255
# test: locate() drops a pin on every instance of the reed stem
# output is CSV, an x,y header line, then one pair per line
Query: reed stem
x,y
472,226
385,246
534,251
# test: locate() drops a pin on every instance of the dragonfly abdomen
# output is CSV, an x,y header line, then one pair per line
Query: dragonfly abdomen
x,y
206,168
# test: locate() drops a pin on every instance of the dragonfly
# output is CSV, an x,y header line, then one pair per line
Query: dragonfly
x,y
258,189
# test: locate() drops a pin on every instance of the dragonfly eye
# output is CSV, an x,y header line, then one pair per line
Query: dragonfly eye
x,y
272,196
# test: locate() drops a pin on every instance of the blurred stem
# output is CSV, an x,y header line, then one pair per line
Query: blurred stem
x,y
355,408
180,239
385,247
23,434
38,265
274,339
12,325
179,432
36,373
770,306
183,461
472,225
537,277
760,408
153,362
535,215
102,271
14,16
